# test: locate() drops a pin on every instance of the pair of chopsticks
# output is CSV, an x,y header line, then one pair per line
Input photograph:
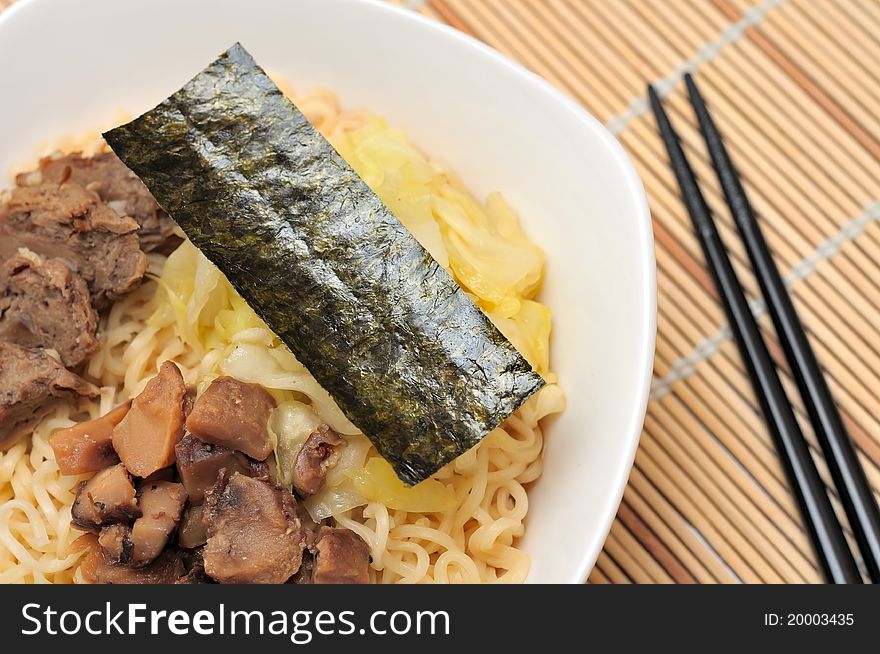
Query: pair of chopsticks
x,y
827,535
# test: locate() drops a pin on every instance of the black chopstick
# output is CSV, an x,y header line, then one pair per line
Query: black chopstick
x,y
825,531
849,476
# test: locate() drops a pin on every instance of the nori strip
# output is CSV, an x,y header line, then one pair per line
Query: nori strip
x,y
406,354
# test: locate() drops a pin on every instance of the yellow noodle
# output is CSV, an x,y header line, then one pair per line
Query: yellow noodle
x,y
35,533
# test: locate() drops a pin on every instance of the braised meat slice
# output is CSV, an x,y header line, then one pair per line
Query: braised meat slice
x,y
45,304
87,446
71,223
115,540
193,531
342,557
199,464
98,568
315,457
254,534
115,184
235,414
106,498
31,382
146,436
161,504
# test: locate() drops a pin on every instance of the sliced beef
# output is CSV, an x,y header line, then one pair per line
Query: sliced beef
x,y
161,504
315,457
115,184
199,464
106,498
115,540
146,436
342,557
234,414
98,568
254,534
31,382
44,304
87,446
193,532
71,223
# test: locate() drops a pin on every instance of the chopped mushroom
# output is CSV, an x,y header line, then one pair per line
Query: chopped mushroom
x,y
267,469
146,437
107,497
87,446
43,303
165,474
254,534
193,531
234,414
31,382
161,504
115,540
97,568
195,576
193,558
317,455
243,529
199,464
306,569
342,557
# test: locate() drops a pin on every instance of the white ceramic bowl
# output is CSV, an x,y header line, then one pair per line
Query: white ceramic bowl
x,y
67,66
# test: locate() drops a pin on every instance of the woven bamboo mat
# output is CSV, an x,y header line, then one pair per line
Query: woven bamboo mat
x,y
795,87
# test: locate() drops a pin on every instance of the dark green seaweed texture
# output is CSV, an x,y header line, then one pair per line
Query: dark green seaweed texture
x,y
402,349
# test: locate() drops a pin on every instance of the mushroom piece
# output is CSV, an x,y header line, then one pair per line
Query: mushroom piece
x,y
317,455
87,446
234,414
341,557
161,504
146,436
115,540
106,498
254,534
97,568
193,531
200,463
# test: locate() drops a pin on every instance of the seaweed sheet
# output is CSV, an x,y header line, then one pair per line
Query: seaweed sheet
x,y
403,350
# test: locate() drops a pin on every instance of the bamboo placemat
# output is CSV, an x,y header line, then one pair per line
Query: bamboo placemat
x,y
795,87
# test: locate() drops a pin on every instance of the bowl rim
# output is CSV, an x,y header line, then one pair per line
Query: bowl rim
x,y
648,282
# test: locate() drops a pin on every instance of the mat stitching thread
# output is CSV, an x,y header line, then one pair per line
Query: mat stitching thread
x,y
730,34
686,366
